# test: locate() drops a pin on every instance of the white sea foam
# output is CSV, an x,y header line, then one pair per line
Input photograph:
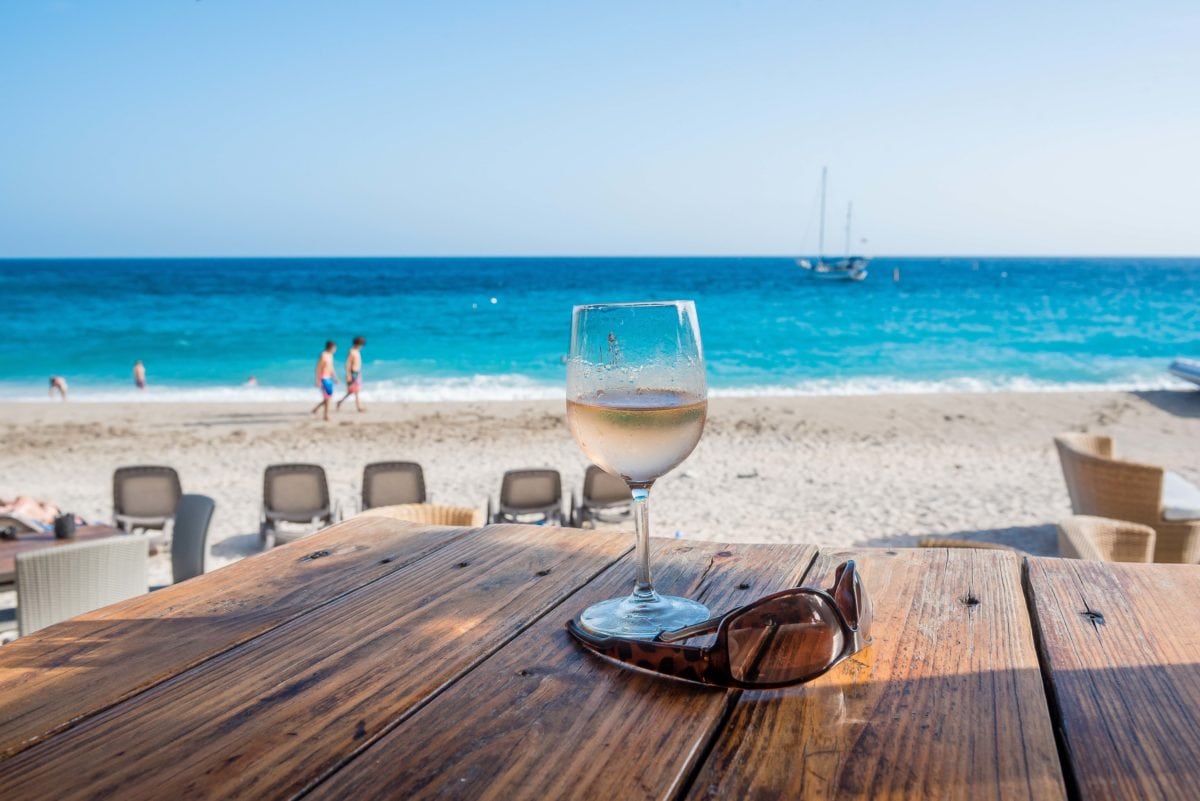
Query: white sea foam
x,y
510,387
432,390
896,386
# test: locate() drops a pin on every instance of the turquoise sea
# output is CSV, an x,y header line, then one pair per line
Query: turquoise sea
x,y
498,328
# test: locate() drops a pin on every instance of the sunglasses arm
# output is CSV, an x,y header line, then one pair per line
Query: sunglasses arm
x,y
695,630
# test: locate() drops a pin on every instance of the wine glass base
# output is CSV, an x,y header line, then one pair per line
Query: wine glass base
x,y
642,618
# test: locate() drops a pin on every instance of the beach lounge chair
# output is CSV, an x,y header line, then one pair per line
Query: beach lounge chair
x,y
1103,486
190,537
57,583
392,484
433,514
1101,540
529,496
20,524
604,498
144,498
293,493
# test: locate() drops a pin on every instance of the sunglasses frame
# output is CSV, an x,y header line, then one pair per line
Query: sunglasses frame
x,y
709,665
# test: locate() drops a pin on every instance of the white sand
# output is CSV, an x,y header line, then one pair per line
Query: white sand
x,y
878,470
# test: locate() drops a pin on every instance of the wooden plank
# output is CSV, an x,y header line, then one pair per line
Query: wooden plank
x,y
947,702
71,670
1121,648
37,540
543,719
269,717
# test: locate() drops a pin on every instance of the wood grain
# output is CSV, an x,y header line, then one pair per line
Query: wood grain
x,y
1121,646
544,719
69,671
946,703
271,716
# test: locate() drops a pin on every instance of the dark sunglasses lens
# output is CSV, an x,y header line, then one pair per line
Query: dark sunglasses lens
x,y
784,639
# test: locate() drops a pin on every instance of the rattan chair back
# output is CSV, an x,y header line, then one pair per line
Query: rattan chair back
x,y
57,583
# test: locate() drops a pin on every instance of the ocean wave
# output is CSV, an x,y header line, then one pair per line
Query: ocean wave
x,y
511,387
432,390
961,385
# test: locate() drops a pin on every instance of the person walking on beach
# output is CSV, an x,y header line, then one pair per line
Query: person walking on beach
x,y
59,384
139,374
326,377
354,374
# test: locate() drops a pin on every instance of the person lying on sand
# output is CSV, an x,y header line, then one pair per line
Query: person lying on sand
x,y
30,508
29,514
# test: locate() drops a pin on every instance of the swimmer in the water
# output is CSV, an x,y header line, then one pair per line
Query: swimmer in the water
x,y
326,377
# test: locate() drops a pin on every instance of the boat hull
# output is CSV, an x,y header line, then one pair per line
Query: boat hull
x,y
1187,369
852,269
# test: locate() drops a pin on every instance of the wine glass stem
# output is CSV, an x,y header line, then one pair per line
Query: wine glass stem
x,y
642,588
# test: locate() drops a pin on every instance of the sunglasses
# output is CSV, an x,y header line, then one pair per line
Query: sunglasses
x,y
779,640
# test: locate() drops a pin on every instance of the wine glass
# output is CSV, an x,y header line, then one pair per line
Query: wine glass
x,y
636,404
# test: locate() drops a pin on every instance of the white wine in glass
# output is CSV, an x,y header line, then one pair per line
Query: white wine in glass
x,y
636,403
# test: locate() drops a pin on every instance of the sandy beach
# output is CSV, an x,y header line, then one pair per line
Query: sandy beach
x,y
868,470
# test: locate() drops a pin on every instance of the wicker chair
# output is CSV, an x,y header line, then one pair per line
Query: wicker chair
x,y
1102,540
946,542
432,514
57,583
1102,486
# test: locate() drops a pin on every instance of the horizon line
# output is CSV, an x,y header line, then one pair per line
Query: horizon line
x,y
604,256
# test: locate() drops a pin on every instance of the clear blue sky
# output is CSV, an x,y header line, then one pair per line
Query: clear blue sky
x,y
447,128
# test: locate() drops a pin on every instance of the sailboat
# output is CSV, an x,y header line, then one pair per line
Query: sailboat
x,y
847,268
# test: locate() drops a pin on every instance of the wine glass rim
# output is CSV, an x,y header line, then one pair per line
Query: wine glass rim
x,y
590,306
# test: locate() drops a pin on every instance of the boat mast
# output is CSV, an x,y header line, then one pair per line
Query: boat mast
x,y
821,245
849,212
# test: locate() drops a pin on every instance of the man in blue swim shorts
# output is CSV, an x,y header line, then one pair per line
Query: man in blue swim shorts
x,y
326,377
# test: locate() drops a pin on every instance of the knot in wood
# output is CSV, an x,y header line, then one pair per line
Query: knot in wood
x,y
724,553
1094,617
744,586
462,564
971,600
545,572
314,555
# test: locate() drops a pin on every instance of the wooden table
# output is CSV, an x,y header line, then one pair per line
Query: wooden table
x,y
31,541
380,659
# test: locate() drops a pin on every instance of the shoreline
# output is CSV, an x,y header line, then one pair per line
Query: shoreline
x,y
513,388
831,470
